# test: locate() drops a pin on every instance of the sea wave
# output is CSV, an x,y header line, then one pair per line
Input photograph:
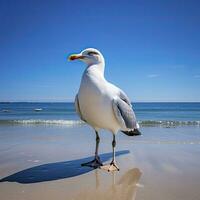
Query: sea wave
x,y
144,123
167,123
42,122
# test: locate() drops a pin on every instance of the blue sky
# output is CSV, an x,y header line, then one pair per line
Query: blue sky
x,y
152,48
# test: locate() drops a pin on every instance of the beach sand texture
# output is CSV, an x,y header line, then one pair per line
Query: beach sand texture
x,y
43,162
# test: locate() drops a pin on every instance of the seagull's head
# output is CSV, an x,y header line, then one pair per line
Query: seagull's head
x,y
89,56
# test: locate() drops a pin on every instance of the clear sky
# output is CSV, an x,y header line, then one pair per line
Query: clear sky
x,y
151,48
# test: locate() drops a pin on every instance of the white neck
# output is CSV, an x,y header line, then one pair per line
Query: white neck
x,y
96,69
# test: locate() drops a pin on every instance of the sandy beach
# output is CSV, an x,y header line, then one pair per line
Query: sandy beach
x,y
69,69
43,162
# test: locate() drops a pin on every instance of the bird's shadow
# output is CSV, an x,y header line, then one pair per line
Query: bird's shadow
x,y
56,171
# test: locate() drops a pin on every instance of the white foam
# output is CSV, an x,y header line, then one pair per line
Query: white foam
x,y
50,122
144,123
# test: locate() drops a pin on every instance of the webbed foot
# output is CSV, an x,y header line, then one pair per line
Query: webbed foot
x,y
111,167
94,163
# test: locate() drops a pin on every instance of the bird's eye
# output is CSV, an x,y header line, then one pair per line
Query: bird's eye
x,y
92,53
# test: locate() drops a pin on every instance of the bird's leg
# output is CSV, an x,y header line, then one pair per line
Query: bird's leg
x,y
97,158
112,166
96,162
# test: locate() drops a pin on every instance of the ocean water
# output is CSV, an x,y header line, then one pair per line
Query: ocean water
x,y
148,114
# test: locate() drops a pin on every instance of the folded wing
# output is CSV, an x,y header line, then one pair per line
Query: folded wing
x,y
78,110
124,114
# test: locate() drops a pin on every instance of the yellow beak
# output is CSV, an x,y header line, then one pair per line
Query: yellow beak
x,y
75,57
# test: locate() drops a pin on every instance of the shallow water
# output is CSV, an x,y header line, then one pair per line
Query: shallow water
x,y
163,163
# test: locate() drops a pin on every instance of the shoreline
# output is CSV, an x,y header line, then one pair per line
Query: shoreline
x,y
142,123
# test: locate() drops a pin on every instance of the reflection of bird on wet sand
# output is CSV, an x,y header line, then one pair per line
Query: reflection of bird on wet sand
x,y
124,189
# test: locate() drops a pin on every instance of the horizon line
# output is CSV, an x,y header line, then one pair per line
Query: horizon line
x,y
73,101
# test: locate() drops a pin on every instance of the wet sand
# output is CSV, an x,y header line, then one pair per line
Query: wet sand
x,y
43,162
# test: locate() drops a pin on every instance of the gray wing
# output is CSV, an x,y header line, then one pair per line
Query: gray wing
x,y
77,106
124,97
121,94
124,113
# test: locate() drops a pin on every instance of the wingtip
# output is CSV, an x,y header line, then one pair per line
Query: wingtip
x,y
134,132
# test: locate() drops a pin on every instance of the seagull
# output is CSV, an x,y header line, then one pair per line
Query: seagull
x,y
102,105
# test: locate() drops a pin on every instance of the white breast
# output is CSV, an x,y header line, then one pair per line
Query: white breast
x,y
95,100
